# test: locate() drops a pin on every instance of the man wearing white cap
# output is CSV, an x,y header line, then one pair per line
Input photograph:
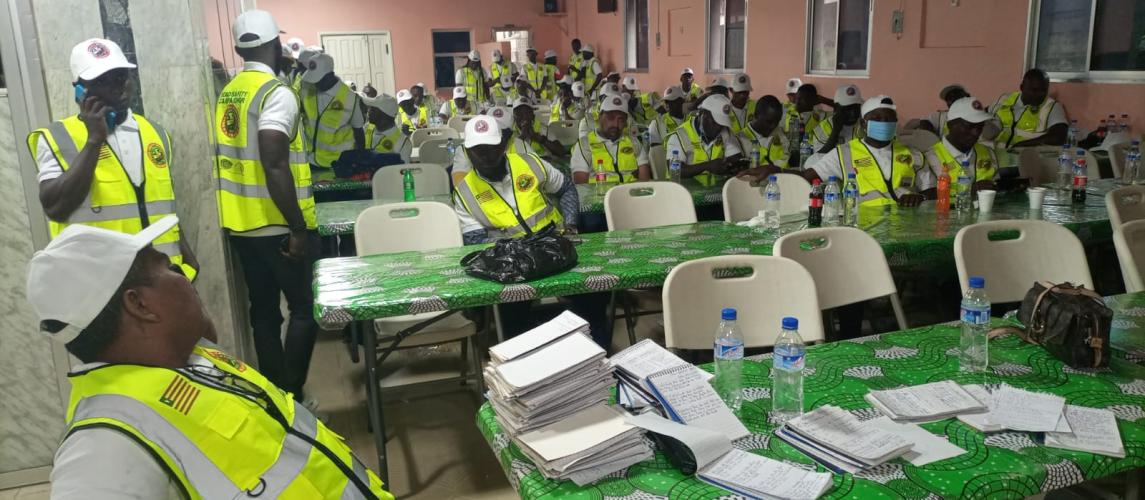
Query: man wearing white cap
x,y
719,86
383,135
641,106
667,122
332,117
592,70
936,121
576,61
504,93
503,118
608,154
804,114
459,105
552,73
475,80
107,166
588,123
692,91
705,146
960,146
157,409
527,129
764,137
743,108
888,172
500,66
266,204
534,72
410,115
792,86
840,128
420,98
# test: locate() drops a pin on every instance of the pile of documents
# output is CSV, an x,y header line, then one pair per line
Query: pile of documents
x,y
839,441
1071,427
925,403
586,446
633,367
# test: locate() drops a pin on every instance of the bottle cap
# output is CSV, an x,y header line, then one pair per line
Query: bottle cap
x,y
832,178
772,178
816,182
728,314
1080,152
790,323
977,282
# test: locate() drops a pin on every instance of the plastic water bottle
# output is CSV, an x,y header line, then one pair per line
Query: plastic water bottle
x,y
450,148
1133,162
1065,167
1111,124
963,203
1080,178
729,360
755,159
805,152
796,130
771,197
787,372
674,167
973,355
832,203
407,185
851,201
1124,123
1071,137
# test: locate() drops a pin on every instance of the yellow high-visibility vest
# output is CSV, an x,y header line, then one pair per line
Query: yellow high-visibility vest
x,y
328,131
243,196
474,82
422,120
536,146
687,130
222,431
391,142
811,127
738,126
823,131
455,111
535,73
985,167
113,202
873,187
533,212
770,149
498,69
590,78
624,166
550,91
1028,126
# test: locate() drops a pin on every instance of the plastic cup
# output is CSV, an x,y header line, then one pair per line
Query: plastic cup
x,y
1037,197
986,200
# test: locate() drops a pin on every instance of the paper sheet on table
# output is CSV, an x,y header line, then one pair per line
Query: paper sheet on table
x,y
1094,430
539,337
706,445
598,472
562,355
757,476
1022,410
576,434
933,400
927,448
690,399
981,421
836,428
648,357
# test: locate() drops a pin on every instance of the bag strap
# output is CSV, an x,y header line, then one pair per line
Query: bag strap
x,y
1037,326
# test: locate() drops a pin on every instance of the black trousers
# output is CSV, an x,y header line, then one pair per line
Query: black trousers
x,y
268,277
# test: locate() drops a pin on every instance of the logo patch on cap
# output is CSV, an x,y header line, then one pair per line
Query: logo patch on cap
x,y
976,105
98,50
850,90
742,79
498,113
157,156
482,125
727,108
311,65
616,101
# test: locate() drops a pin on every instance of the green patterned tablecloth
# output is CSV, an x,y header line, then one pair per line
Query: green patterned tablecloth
x,y
339,217
1128,333
999,465
703,194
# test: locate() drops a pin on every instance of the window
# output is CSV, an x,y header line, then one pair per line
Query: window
x,y
636,35
840,38
450,51
518,43
726,22
1090,39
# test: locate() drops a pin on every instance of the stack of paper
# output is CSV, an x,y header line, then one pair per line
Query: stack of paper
x,y
686,397
839,441
633,366
1093,430
586,446
558,328
925,403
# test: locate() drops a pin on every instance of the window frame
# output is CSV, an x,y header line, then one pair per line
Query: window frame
x,y
1086,76
708,40
809,45
435,55
629,66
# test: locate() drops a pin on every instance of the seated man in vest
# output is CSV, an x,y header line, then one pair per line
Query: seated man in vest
x,y
592,115
96,165
641,105
331,116
459,105
566,106
705,145
888,171
382,132
503,118
529,130
792,88
1030,117
960,145
475,80
410,115
609,154
804,113
157,410
667,122
935,122
504,93
840,128
764,137
420,98
743,108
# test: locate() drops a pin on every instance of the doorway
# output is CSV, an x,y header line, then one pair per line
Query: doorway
x,y
363,58
518,39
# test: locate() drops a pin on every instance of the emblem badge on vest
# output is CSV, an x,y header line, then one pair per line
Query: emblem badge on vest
x,y
336,106
226,358
626,150
525,182
230,121
907,159
906,182
387,144
157,156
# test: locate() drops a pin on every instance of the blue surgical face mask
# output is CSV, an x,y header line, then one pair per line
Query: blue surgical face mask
x,y
881,131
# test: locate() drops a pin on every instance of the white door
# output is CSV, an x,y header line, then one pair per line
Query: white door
x,y
382,63
365,58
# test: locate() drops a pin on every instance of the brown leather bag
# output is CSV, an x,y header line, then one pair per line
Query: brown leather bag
x,y
1071,322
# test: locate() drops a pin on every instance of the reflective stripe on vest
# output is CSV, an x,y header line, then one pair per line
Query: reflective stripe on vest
x,y
623,167
855,156
474,83
535,73
387,143
244,199
984,167
422,117
669,124
328,131
499,219
699,155
590,78
1028,125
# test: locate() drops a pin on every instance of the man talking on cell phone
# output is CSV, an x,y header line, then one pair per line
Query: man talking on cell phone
x,y
266,204
129,156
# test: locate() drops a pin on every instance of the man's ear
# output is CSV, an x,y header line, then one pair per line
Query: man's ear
x,y
139,306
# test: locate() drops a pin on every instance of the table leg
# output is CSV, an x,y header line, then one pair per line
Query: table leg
x,y
374,399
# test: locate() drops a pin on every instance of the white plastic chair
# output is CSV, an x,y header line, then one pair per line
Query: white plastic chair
x,y
564,132
743,201
419,136
1039,164
657,156
436,151
1093,171
1129,241
920,139
457,122
1042,251
833,255
1125,204
421,226
639,205
430,179
774,287
1117,154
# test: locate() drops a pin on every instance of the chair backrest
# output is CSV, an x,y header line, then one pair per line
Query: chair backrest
x,y
920,139
457,122
742,201
1129,241
406,227
1117,154
1092,168
648,204
1125,204
848,264
564,132
773,287
429,179
657,156
794,192
436,151
1014,254
421,135
1039,164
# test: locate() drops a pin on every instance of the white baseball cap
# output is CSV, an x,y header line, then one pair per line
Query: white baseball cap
x,y
404,95
687,71
848,95
550,53
474,55
521,101
630,83
878,102
741,83
502,116
720,82
254,22
614,103
506,80
482,130
578,89
588,48
78,273
309,52
969,109
609,89
672,93
286,52
566,80
317,67
295,45
384,103
720,107
793,85
96,56
419,84
459,92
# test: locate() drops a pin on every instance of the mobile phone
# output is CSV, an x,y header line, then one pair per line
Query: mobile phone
x,y
110,116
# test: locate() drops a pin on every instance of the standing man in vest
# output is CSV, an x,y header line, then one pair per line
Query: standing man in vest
x,y
592,70
106,166
534,72
936,122
1030,117
551,72
459,105
609,150
382,132
157,410
576,61
331,115
765,137
410,115
266,204
706,146
500,66
475,80
965,121
666,123
743,108
888,171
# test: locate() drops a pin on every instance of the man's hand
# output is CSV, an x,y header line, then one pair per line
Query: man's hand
x,y
93,114
758,174
910,200
295,246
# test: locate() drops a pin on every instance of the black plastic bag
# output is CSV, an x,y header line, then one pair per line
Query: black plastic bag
x,y
534,256
362,163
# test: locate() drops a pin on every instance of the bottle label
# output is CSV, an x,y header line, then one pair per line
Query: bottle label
x,y
773,196
816,202
729,351
975,317
851,193
831,197
792,363
1079,181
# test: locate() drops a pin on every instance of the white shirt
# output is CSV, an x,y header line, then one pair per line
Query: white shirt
x,y
934,165
123,141
579,162
505,187
405,147
676,142
828,165
740,115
